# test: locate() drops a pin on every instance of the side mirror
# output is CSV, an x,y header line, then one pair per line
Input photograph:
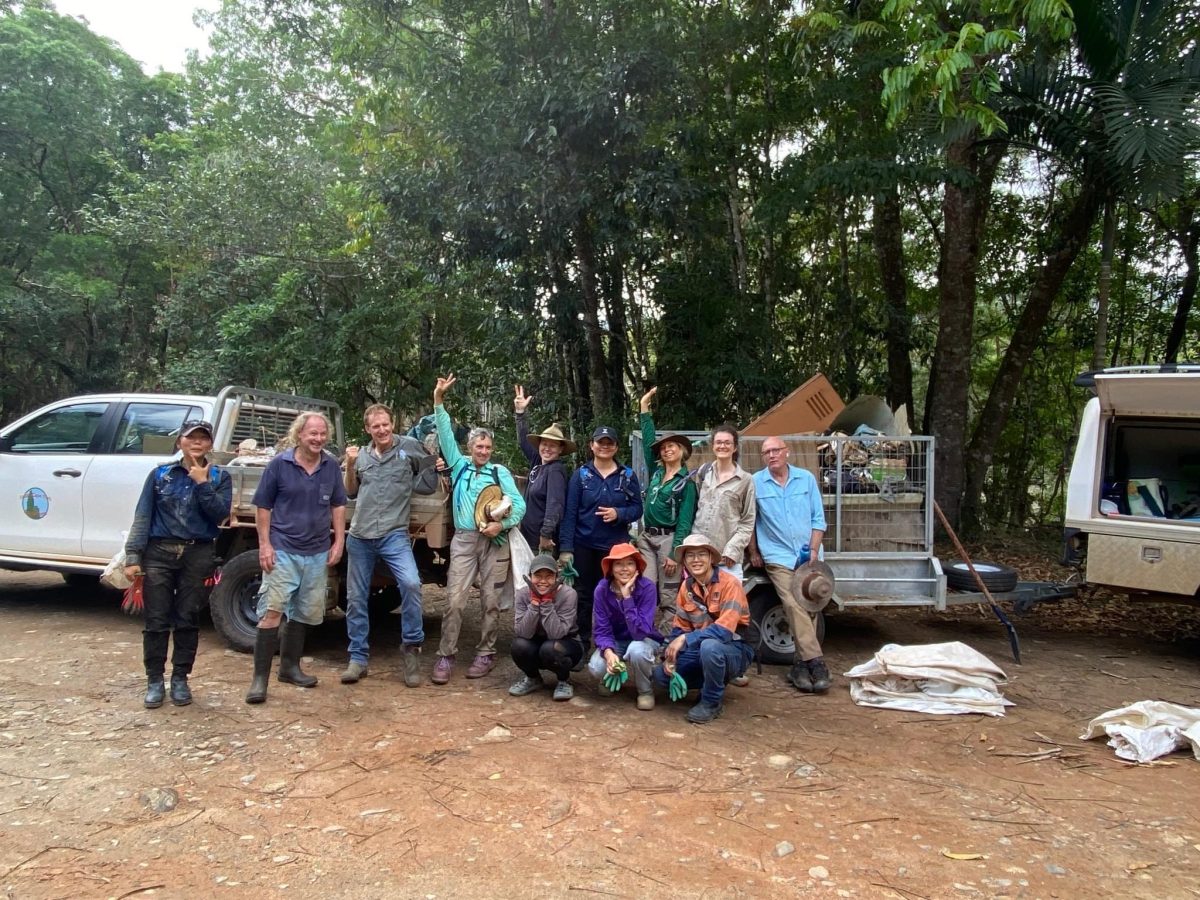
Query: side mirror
x,y
6,444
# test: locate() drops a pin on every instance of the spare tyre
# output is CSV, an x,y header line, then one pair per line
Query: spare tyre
x,y
995,576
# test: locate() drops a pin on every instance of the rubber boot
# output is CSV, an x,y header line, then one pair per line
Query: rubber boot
x,y
154,692
266,641
154,658
291,648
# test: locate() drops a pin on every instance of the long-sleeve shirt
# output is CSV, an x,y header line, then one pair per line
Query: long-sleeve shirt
x,y
386,484
545,492
717,610
172,505
468,480
587,491
616,618
553,621
669,503
788,514
725,512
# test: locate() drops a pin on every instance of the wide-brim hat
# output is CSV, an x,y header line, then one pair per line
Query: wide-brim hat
x,y
622,551
682,440
554,433
812,585
697,541
489,506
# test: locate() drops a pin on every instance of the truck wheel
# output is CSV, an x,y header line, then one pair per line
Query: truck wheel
x,y
997,577
778,647
234,601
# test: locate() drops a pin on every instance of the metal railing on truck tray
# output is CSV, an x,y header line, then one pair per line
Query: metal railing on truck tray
x,y
878,499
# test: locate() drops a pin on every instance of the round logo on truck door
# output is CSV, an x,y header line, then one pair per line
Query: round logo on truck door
x,y
35,503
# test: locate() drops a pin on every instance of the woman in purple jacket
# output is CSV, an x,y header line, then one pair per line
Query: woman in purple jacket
x,y
623,621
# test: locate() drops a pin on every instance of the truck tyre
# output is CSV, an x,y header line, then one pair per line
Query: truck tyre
x,y
995,576
234,601
777,647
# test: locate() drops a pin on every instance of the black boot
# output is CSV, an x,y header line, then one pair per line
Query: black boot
x,y
181,694
266,641
291,648
800,677
820,675
154,692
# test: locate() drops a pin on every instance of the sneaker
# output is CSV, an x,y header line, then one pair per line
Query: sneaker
x,y
481,665
740,681
645,701
800,678
820,675
563,691
354,672
412,665
703,713
526,685
442,669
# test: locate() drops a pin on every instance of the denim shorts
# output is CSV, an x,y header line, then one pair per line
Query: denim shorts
x,y
296,587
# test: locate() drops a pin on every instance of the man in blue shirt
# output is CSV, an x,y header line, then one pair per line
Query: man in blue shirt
x,y
787,533
300,496
171,542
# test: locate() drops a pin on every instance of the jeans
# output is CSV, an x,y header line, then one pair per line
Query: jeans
x,y
534,654
173,593
639,655
710,665
395,549
296,587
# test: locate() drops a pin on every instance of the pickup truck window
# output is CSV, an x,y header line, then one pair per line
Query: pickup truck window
x,y
68,429
152,427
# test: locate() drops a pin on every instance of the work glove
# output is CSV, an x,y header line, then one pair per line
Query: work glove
x,y
616,679
566,569
678,688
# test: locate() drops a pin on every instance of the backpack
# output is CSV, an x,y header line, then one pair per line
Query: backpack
x,y
463,471
586,472
160,474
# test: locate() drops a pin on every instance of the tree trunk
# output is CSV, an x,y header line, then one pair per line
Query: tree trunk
x,y
1073,233
1187,237
1104,284
618,332
585,253
968,191
888,237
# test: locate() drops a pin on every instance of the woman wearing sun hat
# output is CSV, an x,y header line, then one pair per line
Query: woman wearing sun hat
x,y
623,621
670,505
546,491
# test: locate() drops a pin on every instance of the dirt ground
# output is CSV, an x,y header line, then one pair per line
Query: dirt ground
x,y
375,790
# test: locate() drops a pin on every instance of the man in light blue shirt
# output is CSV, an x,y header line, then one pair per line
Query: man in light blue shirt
x,y
787,533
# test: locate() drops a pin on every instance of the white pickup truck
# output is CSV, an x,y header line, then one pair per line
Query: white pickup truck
x,y
71,473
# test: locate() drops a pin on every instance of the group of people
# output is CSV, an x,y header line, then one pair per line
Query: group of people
x,y
669,610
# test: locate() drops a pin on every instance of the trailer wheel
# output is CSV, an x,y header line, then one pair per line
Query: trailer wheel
x,y
234,601
996,576
777,647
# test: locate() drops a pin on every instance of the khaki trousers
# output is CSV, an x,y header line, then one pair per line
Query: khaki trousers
x,y
471,555
803,631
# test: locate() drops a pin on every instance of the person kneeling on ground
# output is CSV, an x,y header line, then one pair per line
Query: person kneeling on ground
x,y
712,641
623,623
545,633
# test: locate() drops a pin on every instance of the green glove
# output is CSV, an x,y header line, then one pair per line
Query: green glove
x,y
678,688
616,679
566,569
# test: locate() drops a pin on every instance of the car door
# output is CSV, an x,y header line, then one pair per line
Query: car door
x,y
143,438
43,464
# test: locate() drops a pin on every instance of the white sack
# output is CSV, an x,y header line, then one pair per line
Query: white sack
x,y
941,679
114,573
520,559
1148,729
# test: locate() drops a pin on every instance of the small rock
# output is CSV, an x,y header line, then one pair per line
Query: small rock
x,y
779,760
784,848
160,800
1055,870
497,735
818,872
805,771
275,787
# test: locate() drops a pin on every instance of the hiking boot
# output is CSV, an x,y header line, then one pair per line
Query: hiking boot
x,y
820,675
266,640
481,665
800,678
181,694
703,713
291,648
155,692
354,672
412,665
563,691
442,669
645,701
526,686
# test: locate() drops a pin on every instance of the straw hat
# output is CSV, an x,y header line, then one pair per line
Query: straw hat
x,y
682,440
622,551
554,433
491,506
694,541
812,585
